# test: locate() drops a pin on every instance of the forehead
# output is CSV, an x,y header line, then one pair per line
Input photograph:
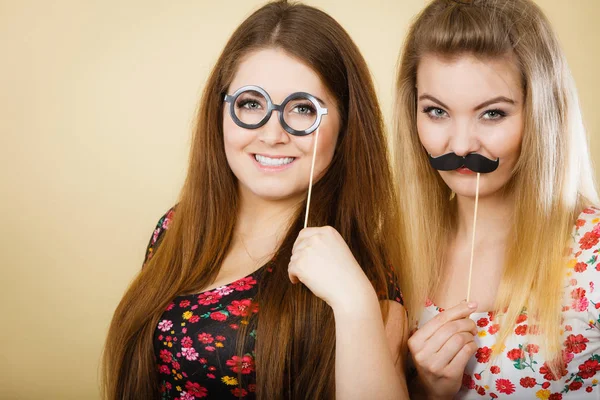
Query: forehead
x,y
278,73
469,78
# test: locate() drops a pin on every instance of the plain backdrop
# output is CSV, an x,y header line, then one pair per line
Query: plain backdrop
x,y
97,100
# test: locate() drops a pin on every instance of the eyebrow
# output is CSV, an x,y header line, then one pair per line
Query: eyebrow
x,y
499,99
321,101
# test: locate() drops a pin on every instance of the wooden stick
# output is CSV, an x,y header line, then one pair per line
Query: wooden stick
x,y
473,238
310,183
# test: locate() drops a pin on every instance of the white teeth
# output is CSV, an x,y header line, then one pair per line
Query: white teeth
x,y
273,162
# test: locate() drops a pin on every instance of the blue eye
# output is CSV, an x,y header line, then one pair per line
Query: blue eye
x,y
493,115
435,112
304,109
249,104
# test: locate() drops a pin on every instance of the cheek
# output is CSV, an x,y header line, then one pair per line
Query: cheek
x,y
234,137
505,141
327,144
433,136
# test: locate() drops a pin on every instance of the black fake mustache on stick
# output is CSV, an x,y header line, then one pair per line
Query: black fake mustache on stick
x,y
473,161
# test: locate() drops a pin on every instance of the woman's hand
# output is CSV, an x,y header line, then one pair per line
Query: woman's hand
x,y
322,261
441,349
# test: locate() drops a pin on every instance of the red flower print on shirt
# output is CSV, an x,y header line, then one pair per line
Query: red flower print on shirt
x,y
468,382
244,364
521,318
532,349
579,223
580,267
209,298
218,316
521,330
578,293
555,396
241,308
576,343
549,376
495,369
237,392
483,354
166,356
589,240
164,369
528,382
492,330
481,322
588,369
195,389
205,338
576,385
168,219
184,303
243,284
515,354
505,386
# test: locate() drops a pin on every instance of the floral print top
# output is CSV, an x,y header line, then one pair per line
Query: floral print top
x,y
520,372
195,341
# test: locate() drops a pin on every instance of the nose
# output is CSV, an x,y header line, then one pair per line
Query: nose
x,y
463,139
272,132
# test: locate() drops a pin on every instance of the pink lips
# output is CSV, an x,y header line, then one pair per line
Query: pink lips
x,y
464,171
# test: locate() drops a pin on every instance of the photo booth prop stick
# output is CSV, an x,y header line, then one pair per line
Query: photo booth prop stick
x,y
476,163
310,182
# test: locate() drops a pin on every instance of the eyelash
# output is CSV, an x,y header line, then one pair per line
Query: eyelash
x,y
501,114
244,102
308,106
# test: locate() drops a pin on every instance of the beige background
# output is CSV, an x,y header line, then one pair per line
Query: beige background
x,y
96,104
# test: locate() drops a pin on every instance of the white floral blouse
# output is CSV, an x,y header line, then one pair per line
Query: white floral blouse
x,y
520,372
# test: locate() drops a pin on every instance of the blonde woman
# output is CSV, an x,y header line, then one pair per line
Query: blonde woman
x,y
488,79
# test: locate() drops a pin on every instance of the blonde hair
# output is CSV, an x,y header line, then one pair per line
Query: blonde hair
x,y
552,180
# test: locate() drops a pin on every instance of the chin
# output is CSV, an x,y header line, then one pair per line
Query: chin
x,y
468,191
274,193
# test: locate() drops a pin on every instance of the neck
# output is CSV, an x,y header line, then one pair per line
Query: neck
x,y
494,218
260,218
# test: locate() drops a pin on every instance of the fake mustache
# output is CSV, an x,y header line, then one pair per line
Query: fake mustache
x,y
473,161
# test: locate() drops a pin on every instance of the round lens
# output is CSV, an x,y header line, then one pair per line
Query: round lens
x,y
250,107
300,113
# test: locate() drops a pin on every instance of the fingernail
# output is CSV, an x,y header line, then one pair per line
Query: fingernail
x,y
472,305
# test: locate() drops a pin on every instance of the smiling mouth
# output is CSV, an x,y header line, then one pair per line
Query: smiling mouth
x,y
273,162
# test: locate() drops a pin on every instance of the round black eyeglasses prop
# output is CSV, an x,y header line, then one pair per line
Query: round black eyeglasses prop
x,y
251,107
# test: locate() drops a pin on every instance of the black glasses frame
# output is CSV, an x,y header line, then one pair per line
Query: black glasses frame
x,y
231,99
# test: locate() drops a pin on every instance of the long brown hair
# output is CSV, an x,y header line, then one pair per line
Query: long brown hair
x,y
552,180
295,329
